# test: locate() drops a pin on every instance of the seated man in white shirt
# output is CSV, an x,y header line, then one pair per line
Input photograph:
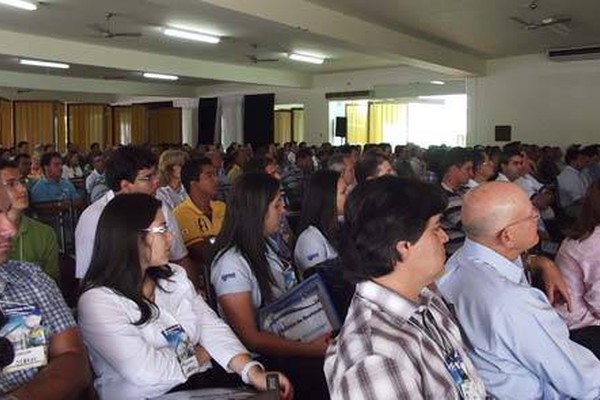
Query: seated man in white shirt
x,y
518,342
511,164
130,169
571,182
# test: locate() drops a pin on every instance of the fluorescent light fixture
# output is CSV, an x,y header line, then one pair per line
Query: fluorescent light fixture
x,y
437,82
47,64
306,58
151,75
197,36
22,4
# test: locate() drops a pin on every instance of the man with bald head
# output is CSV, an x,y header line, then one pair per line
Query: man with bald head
x,y
519,344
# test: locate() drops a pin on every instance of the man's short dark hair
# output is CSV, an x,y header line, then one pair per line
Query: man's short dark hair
x,y
22,143
456,156
4,164
19,156
192,169
508,153
124,164
303,153
380,213
573,152
47,158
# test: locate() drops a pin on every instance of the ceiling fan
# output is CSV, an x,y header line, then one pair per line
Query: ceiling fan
x,y
255,59
105,31
542,23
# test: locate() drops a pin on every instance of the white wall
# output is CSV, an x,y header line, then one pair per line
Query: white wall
x,y
545,102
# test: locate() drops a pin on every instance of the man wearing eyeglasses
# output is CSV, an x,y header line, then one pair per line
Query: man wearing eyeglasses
x,y
518,343
130,169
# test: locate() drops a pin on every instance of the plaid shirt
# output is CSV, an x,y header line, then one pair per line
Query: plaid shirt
x,y
25,283
380,355
451,221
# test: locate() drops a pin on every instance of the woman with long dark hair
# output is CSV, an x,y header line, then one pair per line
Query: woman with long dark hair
x,y
322,207
579,261
247,274
147,330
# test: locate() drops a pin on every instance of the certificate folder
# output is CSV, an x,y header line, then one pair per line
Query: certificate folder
x,y
304,313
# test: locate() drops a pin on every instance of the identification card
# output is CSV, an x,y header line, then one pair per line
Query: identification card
x,y
181,344
458,371
25,331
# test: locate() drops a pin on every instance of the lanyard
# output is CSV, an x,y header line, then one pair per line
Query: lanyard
x,y
429,327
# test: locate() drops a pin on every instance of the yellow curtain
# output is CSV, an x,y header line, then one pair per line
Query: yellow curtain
x,y
6,132
298,128
387,122
35,121
164,125
139,124
122,124
357,115
86,125
61,127
109,125
283,126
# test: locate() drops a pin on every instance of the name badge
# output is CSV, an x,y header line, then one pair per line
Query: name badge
x,y
28,336
458,371
181,344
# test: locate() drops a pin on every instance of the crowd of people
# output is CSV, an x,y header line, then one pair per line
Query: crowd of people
x,y
468,273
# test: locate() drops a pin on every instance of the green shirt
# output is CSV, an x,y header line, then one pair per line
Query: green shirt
x,y
36,243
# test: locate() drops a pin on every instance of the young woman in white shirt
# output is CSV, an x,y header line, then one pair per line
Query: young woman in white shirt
x,y
322,207
72,167
247,274
147,330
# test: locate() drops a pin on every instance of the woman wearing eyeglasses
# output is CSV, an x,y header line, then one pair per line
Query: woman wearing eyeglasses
x,y
146,329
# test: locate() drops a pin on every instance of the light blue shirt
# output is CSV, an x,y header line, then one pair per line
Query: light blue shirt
x,y
46,190
518,343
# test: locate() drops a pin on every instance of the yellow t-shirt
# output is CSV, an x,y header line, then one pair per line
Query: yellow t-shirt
x,y
195,225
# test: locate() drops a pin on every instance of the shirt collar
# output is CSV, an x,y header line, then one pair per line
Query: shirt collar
x,y
23,225
568,167
512,270
391,302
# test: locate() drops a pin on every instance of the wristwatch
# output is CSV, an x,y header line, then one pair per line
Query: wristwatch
x,y
245,374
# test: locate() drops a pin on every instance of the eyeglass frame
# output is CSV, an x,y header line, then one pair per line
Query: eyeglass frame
x,y
536,217
162,229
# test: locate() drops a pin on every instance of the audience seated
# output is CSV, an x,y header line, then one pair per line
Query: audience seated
x,y
373,165
23,161
399,340
52,187
248,274
171,191
199,217
517,341
238,159
592,169
95,183
322,208
34,241
511,164
456,170
23,284
130,169
579,261
147,330
71,169
295,176
572,184
483,168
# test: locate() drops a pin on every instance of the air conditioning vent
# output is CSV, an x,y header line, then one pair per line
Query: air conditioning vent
x,y
575,53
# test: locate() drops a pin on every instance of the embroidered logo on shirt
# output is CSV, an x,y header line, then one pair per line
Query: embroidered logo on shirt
x,y
311,257
227,276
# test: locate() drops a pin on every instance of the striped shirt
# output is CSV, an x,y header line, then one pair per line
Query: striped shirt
x,y
450,220
381,354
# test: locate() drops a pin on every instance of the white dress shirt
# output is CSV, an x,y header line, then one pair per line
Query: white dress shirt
x,y
85,234
170,196
571,186
312,248
136,362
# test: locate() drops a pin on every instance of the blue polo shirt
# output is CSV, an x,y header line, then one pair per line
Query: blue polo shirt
x,y
47,190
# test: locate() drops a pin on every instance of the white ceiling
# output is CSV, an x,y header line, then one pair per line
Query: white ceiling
x,y
448,37
481,27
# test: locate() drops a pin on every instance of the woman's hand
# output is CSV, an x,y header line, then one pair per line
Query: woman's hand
x,y
258,379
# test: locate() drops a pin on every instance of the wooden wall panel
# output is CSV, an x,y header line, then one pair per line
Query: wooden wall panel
x,y
87,125
6,128
34,121
121,117
164,125
139,124
61,128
